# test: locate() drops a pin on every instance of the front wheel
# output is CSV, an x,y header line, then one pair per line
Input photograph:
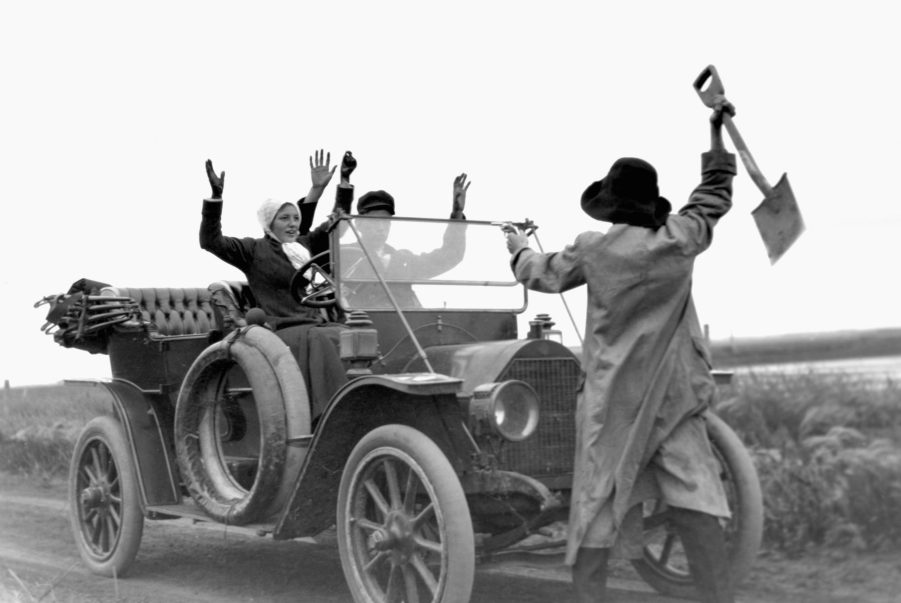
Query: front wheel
x,y
664,565
104,505
404,529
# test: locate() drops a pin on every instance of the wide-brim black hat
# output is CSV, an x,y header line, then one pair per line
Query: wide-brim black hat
x,y
628,194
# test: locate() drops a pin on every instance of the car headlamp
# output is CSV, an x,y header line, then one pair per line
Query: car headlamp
x,y
510,408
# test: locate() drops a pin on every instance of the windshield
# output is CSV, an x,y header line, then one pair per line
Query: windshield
x,y
426,264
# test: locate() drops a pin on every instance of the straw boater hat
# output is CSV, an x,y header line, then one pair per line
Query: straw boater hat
x,y
627,195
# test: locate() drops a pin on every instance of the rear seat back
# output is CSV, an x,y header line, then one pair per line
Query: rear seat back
x,y
173,311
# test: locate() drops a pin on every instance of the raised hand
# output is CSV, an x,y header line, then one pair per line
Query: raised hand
x,y
217,183
721,107
348,165
321,173
460,188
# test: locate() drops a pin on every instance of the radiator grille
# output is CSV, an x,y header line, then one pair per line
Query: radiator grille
x,y
549,452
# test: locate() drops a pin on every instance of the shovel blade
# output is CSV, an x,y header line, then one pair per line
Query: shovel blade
x,y
779,220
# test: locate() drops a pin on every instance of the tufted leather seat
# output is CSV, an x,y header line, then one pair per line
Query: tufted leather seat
x,y
173,311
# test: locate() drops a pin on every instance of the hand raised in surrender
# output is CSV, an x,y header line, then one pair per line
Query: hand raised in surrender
x,y
460,188
348,165
321,173
217,183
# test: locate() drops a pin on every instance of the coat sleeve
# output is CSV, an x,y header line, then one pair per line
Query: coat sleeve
x,y
710,200
432,263
316,240
550,272
235,251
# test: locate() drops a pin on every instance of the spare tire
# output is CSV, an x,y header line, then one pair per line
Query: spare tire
x,y
250,372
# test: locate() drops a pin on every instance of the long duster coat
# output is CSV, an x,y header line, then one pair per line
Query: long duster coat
x,y
647,369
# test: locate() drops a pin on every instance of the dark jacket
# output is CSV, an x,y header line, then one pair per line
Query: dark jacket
x,y
266,267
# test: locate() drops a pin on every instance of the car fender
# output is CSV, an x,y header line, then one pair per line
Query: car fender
x,y
478,363
140,415
426,401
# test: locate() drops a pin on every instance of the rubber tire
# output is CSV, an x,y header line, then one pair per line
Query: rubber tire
x,y
106,433
414,449
283,410
743,532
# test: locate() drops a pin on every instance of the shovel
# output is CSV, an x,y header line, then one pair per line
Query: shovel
x,y
778,217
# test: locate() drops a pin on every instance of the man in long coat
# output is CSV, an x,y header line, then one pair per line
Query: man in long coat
x,y
640,428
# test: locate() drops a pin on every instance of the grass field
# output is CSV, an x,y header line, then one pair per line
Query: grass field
x,y
39,425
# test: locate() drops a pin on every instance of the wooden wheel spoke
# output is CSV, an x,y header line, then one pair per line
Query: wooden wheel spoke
x,y
95,465
429,545
410,584
375,561
377,497
112,529
87,474
424,514
104,528
393,485
367,524
410,490
425,573
115,516
96,529
394,593
105,465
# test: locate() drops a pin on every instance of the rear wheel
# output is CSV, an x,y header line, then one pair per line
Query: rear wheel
x,y
104,504
664,565
404,529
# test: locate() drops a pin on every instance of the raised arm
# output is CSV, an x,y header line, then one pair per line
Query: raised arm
x,y
235,251
344,195
712,198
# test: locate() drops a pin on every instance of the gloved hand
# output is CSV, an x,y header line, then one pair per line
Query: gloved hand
x,y
348,165
217,183
460,188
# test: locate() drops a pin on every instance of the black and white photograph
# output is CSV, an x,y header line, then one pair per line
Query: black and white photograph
x,y
409,302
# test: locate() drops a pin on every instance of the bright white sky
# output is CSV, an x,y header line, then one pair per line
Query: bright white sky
x,y
108,112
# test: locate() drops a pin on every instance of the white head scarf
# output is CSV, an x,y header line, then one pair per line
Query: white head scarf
x,y
297,253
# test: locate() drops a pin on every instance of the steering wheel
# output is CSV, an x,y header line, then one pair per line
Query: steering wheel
x,y
321,291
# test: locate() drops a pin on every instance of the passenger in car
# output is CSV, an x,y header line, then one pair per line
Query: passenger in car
x,y
269,263
397,263
641,433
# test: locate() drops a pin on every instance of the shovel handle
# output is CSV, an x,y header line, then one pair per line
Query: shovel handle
x,y
708,96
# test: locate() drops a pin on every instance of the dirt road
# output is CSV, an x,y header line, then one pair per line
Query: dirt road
x,y
204,562
182,561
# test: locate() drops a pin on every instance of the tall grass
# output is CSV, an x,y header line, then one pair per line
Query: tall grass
x,y
827,449
39,425
828,452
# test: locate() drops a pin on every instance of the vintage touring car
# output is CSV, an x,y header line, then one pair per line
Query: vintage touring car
x,y
451,443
